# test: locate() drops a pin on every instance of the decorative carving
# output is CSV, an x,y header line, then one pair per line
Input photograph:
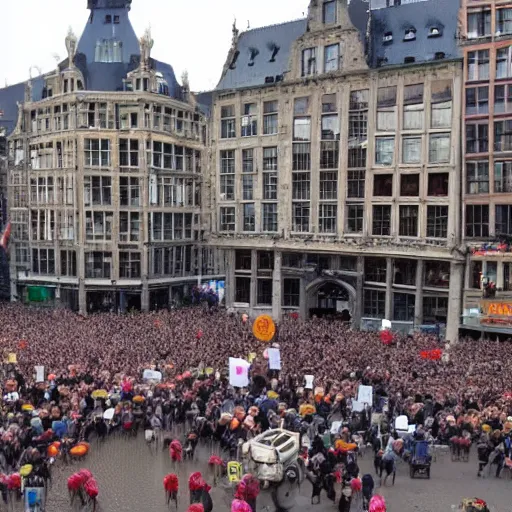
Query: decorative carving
x,y
28,91
19,122
235,32
71,45
146,44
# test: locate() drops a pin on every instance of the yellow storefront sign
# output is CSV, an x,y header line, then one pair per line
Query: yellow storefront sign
x,y
495,312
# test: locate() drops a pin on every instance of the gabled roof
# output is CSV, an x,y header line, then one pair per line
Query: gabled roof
x,y
260,43
389,26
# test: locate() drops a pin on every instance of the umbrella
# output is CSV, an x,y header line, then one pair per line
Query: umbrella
x,y
109,414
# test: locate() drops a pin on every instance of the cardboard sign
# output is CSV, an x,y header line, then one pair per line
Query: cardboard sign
x,y
11,358
238,372
152,375
365,395
274,359
39,373
309,381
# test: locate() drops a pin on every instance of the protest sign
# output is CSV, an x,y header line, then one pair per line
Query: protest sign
x,y
238,372
357,406
11,358
309,381
39,373
274,359
365,395
152,375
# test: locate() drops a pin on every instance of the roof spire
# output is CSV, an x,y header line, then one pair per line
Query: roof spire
x,y
108,4
235,33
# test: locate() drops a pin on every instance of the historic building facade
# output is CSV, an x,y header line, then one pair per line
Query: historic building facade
x,y
486,41
105,176
335,159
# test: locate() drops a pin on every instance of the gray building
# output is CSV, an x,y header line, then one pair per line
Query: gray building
x,y
106,158
336,144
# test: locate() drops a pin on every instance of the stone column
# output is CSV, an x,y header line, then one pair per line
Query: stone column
x,y
254,278
418,304
303,300
358,304
82,300
230,278
389,288
277,287
144,298
455,300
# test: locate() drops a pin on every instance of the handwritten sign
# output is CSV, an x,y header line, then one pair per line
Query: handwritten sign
x,y
264,328
238,372
39,373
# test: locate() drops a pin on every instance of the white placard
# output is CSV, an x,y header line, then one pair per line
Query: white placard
x,y
309,381
336,427
152,375
386,324
357,406
274,359
39,373
365,395
238,372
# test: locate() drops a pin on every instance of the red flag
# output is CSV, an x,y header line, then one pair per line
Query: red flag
x,y
4,241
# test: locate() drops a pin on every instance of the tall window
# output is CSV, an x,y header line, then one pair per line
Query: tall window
x,y
227,122
477,220
358,117
98,226
503,21
437,221
477,138
408,225
330,134
129,265
479,23
503,135
291,292
355,218
504,62
403,307
374,303
68,263
227,175
441,98
411,150
375,270
300,214
329,12
270,173
355,184
414,108
309,62
227,218
97,190
249,219
478,65
503,176
331,58
269,216
129,226
384,150
503,99
98,265
386,109
270,117
439,148
97,152
381,225
250,120
477,100
477,177
129,152
503,219
129,191
327,218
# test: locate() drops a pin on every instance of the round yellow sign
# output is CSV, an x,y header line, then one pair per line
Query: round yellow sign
x,y
264,328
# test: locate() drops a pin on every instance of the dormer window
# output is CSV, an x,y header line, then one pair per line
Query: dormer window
x,y
274,49
253,54
434,32
387,37
108,18
116,20
233,61
329,12
410,34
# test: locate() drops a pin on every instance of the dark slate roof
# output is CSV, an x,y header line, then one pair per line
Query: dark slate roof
x,y
421,16
8,98
262,40
204,102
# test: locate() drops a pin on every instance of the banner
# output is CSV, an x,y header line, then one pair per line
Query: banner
x,y
152,375
238,372
39,373
365,395
274,359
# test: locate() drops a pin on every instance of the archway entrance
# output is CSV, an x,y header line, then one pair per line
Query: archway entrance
x,y
330,298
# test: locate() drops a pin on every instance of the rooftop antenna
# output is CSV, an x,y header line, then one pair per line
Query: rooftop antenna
x,y
248,25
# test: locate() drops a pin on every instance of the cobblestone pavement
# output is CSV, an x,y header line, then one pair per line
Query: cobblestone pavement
x,y
130,477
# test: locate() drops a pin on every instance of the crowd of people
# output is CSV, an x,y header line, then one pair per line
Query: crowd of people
x,y
464,393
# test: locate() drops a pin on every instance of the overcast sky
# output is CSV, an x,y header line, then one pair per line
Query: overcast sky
x,y
189,34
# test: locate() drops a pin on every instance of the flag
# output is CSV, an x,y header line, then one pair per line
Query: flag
x,y
4,241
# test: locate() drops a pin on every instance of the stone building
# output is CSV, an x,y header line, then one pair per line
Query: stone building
x,y
105,179
486,42
335,158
